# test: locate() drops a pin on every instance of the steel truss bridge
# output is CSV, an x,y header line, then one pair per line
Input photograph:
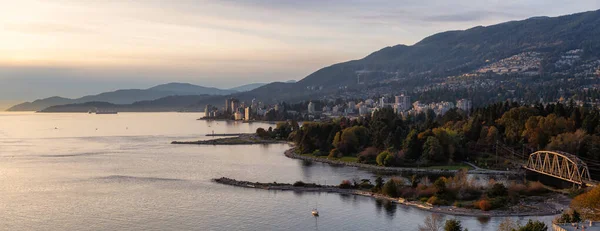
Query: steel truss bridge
x,y
561,165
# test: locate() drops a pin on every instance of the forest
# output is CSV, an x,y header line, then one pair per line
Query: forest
x,y
387,139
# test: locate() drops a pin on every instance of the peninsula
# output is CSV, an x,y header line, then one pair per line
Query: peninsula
x,y
550,204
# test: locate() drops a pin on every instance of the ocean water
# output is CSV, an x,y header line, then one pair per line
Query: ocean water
x,y
120,172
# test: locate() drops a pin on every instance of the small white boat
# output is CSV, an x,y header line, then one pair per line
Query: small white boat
x,y
315,212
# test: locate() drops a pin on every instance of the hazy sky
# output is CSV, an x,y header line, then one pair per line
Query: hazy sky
x,y
73,48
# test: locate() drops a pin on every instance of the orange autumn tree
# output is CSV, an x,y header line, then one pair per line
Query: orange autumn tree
x,y
588,204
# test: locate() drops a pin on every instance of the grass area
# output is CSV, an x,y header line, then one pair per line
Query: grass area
x,y
350,159
451,167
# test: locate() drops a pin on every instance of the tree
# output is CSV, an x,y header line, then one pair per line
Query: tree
x,y
412,146
508,225
440,184
385,158
533,226
492,135
497,190
378,183
351,140
433,150
390,188
453,225
514,122
262,133
432,223
588,204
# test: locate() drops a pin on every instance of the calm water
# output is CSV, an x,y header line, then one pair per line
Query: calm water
x,y
119,172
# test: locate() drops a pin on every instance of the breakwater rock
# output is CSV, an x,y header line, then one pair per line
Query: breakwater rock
x,y
240,139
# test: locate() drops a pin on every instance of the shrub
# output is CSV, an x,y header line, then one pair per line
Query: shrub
x,y
534,225
497,190
262,133
299,184
484,205
368,156
498,202
346,184
317,153
536,188
516,189
564,218
434,200
440,184
426,192
408,192
365,184
390,188
385,158
457,204
334,153
573,192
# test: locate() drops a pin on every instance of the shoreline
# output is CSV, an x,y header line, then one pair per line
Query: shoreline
x,y
290,153
547,208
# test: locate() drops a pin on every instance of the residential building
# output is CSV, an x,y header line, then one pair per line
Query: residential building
x,y
238,116
228,105
311,108
464,104
235,104
247,113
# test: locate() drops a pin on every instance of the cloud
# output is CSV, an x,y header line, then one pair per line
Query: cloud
x,y
470,16
46,28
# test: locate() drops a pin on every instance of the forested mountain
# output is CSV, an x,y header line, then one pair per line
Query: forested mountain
x,y
165,104
543,42
457,52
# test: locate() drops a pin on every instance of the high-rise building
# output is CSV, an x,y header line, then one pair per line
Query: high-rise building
x,y
311,108
464,104
382,102
247,113
238,116
228,105
363,110
402,103
207,110
235,104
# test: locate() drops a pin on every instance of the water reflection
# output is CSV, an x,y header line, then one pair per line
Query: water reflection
x,y
390,208
378,205
484,221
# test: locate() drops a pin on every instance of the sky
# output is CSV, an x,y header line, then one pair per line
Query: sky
x,y
80,47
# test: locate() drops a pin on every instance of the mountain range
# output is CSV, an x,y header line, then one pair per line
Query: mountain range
x,y
517,49
451,53
129,96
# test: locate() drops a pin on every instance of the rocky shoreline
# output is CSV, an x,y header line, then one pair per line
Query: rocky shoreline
x,y
551,206
240,139
291,153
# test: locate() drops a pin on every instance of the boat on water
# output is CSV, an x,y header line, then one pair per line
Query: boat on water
x,y
315,212
101,112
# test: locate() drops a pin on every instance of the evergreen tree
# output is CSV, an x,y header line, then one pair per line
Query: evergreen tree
x,y
453,225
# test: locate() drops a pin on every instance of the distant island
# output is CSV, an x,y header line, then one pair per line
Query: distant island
x,y
166,104
132,96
